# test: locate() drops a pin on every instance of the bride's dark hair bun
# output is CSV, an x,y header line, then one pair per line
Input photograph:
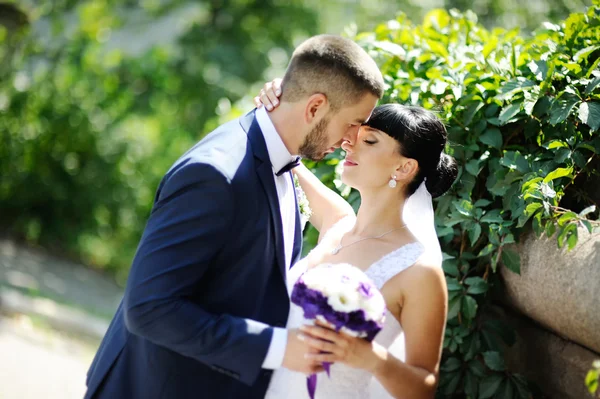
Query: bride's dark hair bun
x,y
422,136
440,180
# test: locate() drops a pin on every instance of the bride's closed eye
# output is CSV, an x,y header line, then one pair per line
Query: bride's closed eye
x,y
370,142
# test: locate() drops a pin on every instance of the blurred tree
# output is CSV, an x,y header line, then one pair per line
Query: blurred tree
x,y
366,14
11,17
98,99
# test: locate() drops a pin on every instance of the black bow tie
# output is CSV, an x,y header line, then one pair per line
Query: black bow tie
x,y
288,167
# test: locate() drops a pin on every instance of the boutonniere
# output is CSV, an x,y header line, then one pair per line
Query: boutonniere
x,y
303,204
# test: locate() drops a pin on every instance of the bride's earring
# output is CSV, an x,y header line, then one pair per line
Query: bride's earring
x,y
392,183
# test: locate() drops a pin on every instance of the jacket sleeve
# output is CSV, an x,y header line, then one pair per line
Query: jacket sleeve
x,y
189,224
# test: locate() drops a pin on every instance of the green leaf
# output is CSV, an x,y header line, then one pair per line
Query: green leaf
x,y
561,109
473,167
390,47
506,390
584,53
515,161
511,260
492,216
477,285
471,385
471,110
494,361
550,228
555,144
489,385
546,191
567,217
451,382
453,284
454,306
474,233
592,85
481,203
469,307
488,249
532,208
558,173
565,233
587,211
451,268
492,137
589,113
588,226
591,380
539,69
509,112
572,239
464,207
451,364
512,87
477,368
537,225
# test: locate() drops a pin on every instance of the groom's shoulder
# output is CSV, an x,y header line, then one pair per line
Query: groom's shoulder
x,y
225,149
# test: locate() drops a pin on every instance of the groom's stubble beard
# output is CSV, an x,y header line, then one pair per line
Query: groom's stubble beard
x,y
316,142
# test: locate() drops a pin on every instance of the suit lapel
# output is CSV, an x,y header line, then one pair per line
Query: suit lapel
x,y
266,177
297,252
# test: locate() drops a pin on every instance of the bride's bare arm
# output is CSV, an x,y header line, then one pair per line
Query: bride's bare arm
x,y
327,206
422,309
423,319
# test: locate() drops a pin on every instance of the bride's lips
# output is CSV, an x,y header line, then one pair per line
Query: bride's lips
x,y
349,162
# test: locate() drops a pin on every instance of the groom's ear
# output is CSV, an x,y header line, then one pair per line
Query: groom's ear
x,y
317,106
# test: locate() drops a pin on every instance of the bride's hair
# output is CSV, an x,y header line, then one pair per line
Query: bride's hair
x,y
421,136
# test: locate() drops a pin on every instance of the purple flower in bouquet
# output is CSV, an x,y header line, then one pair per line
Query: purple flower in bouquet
x,y
343,296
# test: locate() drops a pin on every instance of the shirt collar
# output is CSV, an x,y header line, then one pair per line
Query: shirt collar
x,y
278,152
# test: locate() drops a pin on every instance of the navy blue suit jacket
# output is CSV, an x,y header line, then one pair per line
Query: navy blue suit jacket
x,y
207,281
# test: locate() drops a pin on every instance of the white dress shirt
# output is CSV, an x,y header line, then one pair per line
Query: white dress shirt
x,y
279,156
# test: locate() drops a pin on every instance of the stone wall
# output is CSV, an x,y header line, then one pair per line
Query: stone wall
x,y
557,366
555,308
558,289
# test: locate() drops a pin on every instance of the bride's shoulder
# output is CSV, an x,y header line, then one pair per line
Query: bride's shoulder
x,y
424,276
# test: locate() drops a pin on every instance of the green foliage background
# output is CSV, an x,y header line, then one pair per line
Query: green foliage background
x,y
523,117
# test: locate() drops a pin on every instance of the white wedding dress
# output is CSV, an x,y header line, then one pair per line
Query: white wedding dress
x,y
347,382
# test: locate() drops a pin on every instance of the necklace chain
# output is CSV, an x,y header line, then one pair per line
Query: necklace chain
x,y
339,247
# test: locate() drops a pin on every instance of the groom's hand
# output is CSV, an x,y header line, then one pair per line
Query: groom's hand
x,y
295,359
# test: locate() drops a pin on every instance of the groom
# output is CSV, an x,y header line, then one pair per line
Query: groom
x,y
206,302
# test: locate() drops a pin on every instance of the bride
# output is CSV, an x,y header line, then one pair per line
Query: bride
x,y
397,164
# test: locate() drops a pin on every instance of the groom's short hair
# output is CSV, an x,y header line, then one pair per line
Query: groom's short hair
x,y
334,66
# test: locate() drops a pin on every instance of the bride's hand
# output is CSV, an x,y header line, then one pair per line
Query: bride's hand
x,y
269,95
343,348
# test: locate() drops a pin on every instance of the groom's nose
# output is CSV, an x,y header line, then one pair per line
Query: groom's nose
x,y
351,135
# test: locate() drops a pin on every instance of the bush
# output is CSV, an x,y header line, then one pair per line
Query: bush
x,y
523,116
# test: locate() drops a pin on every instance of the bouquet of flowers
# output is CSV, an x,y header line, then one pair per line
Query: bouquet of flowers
x,y
342,296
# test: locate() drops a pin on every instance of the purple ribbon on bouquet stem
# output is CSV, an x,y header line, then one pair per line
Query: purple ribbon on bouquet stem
x,y
311,380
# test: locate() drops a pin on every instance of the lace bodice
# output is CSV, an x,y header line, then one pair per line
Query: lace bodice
x,y
346,382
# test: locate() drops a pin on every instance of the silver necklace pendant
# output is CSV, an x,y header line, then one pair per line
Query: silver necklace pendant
x,y
337,249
